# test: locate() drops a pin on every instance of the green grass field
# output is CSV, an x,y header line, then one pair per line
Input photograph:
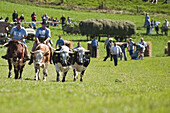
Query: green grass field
x,y
145,86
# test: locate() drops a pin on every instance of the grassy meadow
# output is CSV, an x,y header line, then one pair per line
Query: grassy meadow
x,y
134,6
144,86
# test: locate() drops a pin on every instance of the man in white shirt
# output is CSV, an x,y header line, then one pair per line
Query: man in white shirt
x,y
115,52
166,26
143,48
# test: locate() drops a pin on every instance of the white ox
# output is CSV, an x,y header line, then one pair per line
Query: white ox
x,y
41,59
80,62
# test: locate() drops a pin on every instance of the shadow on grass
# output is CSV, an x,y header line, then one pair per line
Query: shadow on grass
x,y
3,65
85,40
79,40
59,81
30,79
144,34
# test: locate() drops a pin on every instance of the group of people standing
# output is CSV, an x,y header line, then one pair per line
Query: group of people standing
x,y
115,51
150,25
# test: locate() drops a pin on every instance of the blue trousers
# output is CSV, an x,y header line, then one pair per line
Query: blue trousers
x,y
125,57
94,51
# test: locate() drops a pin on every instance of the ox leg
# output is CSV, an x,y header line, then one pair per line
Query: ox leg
x,y
45,74
21,70
58,76
37,70
75,74
16,72
64,76
81,76
10,68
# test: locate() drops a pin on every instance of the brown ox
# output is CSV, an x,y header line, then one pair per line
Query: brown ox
x,y
41,57
15,56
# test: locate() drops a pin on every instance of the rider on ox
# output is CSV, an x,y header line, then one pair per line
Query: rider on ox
x,y
16,57
18,33
42,35
41,57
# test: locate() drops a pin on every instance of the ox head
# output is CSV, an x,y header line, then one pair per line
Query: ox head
x,y
64,57
80,54
38,56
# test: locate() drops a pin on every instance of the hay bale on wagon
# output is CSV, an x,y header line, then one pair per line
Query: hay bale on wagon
x,y
104,27
72,28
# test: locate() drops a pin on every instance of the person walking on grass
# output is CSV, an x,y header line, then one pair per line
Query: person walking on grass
x,y
166,26
123,46
15,16
108,47
146,19
142,42
156,24
94,44
131,47
148,26
115,52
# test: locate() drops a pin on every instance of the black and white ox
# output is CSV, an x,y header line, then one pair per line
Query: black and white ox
x,y
41,59
62,60
80,62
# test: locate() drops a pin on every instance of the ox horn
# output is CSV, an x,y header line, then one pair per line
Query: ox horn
x,y
75,50
71,52
6,44
57,51
87,51
32,52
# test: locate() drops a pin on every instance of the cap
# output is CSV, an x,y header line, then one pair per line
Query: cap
x,y
111,39
141,38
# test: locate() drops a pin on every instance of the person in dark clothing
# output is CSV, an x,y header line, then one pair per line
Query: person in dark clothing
x,y
108,46
15,16
94,44
22,18
63,19
33,16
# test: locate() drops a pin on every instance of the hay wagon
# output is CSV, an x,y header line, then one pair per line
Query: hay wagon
x,y
120,30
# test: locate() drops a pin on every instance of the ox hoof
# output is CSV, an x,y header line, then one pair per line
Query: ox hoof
x,y
63,80
58,80
81,80
74,80
9,76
